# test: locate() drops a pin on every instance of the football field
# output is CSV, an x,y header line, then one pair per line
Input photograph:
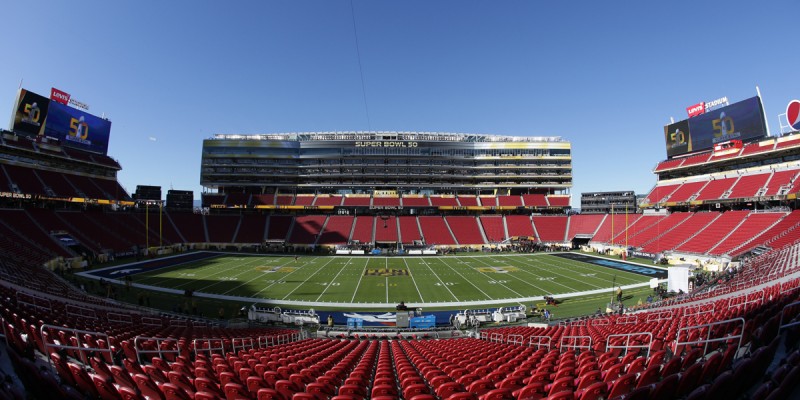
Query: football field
x,y
359,281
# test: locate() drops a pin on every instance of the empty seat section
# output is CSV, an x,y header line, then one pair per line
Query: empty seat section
x,y
306,228
221,228
788,141
465,229
20,222
686,192
760,147
748,186
251,229
151,219
781,181
388,201
5,183
519,225
550,229
659,192
84,227
558,201
709,236
362,232
357,201
493,227
780,234
190,225
583,225
56,182
488,201
263,199
610,228
416,201
279,227
127,226
748,230
87,186
326,200
304,200
645,226
509,201
237,199
447,201
534,200
337,230
669,164
25,179
630,225
697,159
52,221
112,188
435,231
680,233
715,189
386,229
284,200
210,199
468,201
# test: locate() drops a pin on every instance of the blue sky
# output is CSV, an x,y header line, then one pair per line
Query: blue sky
x,y
605,76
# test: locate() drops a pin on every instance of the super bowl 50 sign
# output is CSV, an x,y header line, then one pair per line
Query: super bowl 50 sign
x,y
743,120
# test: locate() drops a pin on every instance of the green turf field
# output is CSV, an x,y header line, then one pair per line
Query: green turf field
x,y
341,281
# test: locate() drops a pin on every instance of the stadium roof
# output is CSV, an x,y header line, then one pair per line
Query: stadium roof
x,y
389,135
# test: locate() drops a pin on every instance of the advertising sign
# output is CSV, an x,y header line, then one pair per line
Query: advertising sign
x,y
59,96
793,114
743,121
78,129
30,113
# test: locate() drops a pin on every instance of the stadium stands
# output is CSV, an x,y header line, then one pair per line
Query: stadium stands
x,y
435,231
306,229
715,189
364,226
409,230
584,225
466,230
386,229
252,229
686,192
681,232
222,228
493,227
519,226
278,227
337,230
550,229
706,238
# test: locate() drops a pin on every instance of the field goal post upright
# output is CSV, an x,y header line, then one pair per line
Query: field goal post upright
x,y
384,216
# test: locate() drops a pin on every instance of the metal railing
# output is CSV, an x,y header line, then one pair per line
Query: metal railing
x,y
708,339
34,301
628,337
77,311
209,346
576,342
243,344
659,316
516,339
121,318
791,321
627,320
139,340
540,342
80,348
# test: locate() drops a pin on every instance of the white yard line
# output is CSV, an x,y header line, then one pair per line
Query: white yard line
x,y
359,281
309,277
408,268
334,279
256,278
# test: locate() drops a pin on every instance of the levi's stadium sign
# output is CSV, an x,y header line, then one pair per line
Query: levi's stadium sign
x,y
705,106
64,98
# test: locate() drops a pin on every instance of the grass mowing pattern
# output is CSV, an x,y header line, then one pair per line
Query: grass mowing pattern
x,y
428,280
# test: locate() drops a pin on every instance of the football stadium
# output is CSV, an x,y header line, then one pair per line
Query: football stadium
x,y
388,265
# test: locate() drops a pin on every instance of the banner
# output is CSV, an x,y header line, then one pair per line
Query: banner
x,y
78,129
30,113
59,96
743,121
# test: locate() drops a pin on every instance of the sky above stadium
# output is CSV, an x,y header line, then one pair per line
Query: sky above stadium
x,y
607,79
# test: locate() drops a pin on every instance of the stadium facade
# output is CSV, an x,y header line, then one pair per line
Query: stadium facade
x,y
386,162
